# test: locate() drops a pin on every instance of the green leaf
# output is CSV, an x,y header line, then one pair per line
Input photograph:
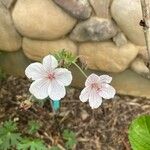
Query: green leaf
x,y
33,126
8,126
70,138
8,136
65,58
30,144
139,133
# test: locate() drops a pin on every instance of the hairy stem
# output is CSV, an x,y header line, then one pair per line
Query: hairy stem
x,y
80,70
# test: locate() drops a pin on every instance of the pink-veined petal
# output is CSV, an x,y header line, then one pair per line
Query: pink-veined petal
x,y
93,78
49,63
56,91
84,95
63,76
35,71
39,88
105,78
95,100
107,91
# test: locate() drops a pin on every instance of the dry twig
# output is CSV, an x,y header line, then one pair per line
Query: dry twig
x,y
145,4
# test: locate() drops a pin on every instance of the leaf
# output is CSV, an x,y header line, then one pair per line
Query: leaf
x,y
139,133
8,136
31,144
33,126
8,126
70,138
65,58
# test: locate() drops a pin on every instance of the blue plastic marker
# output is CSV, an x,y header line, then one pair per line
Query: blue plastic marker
x,y
56,105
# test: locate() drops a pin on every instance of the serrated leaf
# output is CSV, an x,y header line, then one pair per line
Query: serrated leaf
x,y
70,138
10,140
8,136
8,126
139,133
33,126
66,58
67,134
30,144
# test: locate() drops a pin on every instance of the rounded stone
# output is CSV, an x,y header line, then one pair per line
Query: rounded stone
x,y
35,49
139,66
106,56
41,19
128,14
77,8
94,29
143,52
10,40
120,39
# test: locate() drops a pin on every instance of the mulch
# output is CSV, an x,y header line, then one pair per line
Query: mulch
x,y
105,128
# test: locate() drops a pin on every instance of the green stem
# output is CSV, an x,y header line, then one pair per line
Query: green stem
x,y
80,70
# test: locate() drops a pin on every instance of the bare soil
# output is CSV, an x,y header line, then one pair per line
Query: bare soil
x,y
105,128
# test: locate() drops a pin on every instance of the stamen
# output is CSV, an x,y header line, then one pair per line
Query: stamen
x,y
51,76
95,86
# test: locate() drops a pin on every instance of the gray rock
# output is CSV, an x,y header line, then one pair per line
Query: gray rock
x,y
8,3
79,9
94,29
10,40
120,39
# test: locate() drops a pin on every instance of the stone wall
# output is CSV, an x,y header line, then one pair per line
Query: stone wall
x,y
105,33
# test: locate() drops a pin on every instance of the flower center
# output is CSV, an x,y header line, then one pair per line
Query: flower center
x,y
51,76
95,86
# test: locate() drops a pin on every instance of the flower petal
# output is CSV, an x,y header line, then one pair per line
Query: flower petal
x,y
56,91
84,96
39,88
49,62
35,71
95,100
93,78
107,91
105,78
63,76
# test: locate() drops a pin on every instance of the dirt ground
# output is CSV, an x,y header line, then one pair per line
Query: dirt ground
x,y
102,129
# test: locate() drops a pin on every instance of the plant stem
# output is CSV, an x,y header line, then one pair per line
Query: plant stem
x,y
31,97
80,70
145,5
52,107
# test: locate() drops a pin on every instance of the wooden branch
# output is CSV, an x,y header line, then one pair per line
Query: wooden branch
x,y
145,4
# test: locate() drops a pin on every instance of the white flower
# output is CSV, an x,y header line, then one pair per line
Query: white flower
x,y
96,88
48,79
